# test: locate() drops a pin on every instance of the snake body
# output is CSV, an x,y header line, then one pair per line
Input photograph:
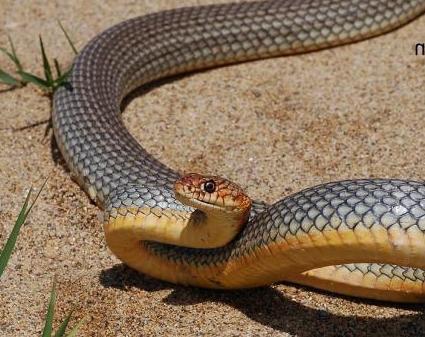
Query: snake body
x,y
357,237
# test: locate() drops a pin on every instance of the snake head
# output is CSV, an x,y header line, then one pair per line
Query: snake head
x,y
213,195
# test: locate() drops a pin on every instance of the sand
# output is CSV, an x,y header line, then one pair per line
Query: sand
x,y
274,126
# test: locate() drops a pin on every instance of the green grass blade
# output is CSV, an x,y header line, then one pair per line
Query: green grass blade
x,y
12,55
11,241
46,64
58,69
30,78
75,329
63,78
61,331
15,57
68,38
37,195
47,331
9,55
9,79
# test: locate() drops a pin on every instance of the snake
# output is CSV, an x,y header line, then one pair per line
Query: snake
x,y
363,237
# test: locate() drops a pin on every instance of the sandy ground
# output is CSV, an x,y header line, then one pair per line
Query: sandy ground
x,y
274,126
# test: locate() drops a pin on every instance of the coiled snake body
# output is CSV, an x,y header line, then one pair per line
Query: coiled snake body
x,y
356,237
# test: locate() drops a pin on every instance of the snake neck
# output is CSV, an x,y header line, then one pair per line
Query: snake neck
x,y
178,225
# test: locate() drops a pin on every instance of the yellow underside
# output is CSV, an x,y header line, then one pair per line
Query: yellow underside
x,y
356,284
295,259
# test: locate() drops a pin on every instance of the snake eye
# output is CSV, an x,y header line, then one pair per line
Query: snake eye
x,y
209,186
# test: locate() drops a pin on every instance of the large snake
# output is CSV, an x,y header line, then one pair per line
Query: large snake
x,y
356,237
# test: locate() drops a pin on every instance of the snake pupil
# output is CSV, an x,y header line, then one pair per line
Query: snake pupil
x,y
209,186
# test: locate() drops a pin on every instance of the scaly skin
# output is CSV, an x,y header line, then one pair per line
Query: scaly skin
x,y
341,222
279,241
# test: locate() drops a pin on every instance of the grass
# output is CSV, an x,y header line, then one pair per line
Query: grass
x,y
53,76
5,255
48,322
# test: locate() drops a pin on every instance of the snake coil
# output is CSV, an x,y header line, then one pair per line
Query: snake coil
x,y
330,236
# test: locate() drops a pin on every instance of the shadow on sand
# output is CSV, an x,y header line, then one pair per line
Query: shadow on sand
x,y
271,308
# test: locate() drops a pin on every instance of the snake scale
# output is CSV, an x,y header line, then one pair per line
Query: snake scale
x,y
356,237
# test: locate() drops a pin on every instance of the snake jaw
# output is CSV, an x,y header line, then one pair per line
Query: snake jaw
x,y
225,206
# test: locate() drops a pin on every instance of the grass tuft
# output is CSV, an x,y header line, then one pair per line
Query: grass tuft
x,y
50,82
